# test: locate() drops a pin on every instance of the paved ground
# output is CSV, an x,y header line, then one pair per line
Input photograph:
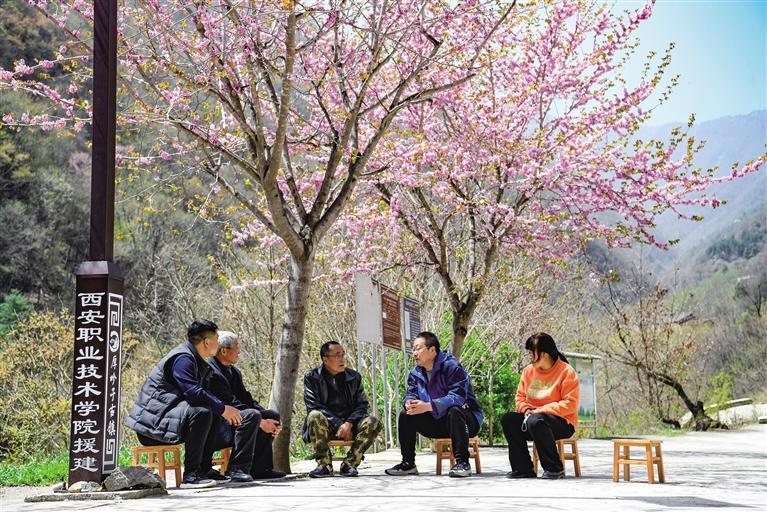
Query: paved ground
x,y
710,470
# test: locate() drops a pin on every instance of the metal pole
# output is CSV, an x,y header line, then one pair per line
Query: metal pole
x,y
387,423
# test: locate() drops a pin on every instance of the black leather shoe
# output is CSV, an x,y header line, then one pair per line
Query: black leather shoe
x,y
520,474
268,474
216,476
553,475
238,475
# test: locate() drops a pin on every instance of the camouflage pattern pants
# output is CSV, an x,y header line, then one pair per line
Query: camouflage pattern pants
x,y
321,432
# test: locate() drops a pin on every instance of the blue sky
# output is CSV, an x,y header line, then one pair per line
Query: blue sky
x,y
721,55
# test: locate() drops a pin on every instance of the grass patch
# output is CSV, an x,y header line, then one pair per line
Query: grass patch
x,y
48,469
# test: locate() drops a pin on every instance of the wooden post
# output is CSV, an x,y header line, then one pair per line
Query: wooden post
x,y
94,440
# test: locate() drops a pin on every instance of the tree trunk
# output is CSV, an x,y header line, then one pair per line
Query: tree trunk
x,y
696,408
461,320
289,354
491,412
703,421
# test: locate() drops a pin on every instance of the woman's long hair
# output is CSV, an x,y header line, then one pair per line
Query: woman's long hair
x,y
541,342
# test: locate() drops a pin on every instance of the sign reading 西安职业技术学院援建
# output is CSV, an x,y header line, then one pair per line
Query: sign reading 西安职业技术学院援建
x,y
95,420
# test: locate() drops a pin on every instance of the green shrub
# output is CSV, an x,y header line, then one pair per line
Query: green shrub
x,y
12,310
36,369
495,380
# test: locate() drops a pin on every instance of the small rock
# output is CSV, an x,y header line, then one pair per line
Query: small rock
x,y
134,477
84,486
763,419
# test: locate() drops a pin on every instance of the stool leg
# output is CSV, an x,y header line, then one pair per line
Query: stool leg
x,y
161,465
535,459
661,474
477,464
650,471
576,460
439,449
177,466
225,454
135,457
562,454
616,456
626,467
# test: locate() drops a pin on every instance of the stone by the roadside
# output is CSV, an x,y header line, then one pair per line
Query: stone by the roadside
x,y
96,496
134,477
84,487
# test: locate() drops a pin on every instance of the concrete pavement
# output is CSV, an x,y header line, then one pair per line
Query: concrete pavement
x,y
704,470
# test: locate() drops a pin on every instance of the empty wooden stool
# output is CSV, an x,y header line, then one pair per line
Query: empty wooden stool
x,y
338,444
563,455
444,449
156,459
223,460
625,459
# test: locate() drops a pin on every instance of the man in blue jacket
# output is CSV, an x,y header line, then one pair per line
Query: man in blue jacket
x,y
440,402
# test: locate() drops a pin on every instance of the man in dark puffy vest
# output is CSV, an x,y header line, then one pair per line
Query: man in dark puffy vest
x,y
174,406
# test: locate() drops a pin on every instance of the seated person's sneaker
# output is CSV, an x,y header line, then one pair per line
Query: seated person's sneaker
x,y
195,480
321,471
267,474
520,474
216,476
553,475
347,470
461,469
238,475
403,468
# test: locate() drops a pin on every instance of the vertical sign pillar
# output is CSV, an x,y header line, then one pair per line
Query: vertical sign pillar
x,y
94,431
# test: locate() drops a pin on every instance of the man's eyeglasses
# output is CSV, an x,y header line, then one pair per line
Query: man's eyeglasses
x,y
336,356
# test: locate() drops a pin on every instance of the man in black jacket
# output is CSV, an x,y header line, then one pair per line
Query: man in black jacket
x,y
174,406
337,408
227,385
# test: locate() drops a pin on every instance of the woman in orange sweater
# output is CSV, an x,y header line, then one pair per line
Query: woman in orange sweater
x,y
547,409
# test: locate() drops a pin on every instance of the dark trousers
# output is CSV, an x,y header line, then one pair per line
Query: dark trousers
x,y
459,424
199,438
244,444
262,458
543,430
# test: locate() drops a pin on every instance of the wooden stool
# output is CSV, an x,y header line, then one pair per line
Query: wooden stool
x,y
223,461
338,444
648,461
444,449
563,455
156,456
